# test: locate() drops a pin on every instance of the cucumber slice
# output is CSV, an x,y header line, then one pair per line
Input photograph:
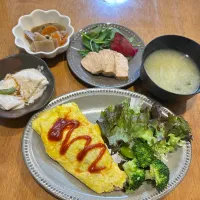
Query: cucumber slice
x,y
8,91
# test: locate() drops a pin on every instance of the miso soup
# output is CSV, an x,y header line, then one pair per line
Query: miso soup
x,y
173,71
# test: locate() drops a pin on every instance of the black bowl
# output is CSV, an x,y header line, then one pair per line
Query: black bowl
x,y
175,42
16,63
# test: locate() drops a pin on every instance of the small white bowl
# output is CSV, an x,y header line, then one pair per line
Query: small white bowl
x,y
36,18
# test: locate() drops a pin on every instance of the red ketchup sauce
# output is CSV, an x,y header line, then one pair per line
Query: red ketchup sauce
x,y
56,134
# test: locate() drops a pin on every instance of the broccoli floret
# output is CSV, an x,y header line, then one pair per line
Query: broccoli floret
x,y
136,176
159,172
143,153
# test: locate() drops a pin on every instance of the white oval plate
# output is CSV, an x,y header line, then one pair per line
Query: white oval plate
x,y
50,175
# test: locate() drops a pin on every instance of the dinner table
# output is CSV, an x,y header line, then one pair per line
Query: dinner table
x,y
149,19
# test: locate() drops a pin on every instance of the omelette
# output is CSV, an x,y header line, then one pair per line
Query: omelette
x,y
76,144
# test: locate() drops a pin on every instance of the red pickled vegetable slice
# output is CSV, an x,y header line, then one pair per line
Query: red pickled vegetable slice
x,y
122,45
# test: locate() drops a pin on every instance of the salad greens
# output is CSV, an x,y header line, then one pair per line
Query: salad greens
x,y
97,39
100,38
143,136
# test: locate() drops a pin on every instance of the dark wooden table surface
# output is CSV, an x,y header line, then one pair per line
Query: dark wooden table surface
x,y
148,18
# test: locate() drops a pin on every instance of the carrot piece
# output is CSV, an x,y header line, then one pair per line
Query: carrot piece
x,y
63,40
56,35
48,30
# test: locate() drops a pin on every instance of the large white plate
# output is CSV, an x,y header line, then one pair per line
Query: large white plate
x,y
50,175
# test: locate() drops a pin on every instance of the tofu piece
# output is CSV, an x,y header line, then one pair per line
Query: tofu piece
x,y
38,92
8,82
92,63
29,84
29,80
8,102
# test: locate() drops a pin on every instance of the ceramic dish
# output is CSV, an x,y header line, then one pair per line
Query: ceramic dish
x,y
36,18
50,175
18,62
74,60
175,42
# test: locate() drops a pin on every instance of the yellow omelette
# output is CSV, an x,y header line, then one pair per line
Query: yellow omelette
x,y
76,144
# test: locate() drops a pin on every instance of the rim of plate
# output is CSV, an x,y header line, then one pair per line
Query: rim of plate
x,y
63,194
73,67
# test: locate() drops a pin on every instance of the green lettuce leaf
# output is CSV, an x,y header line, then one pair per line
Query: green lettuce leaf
x,y
179,127
122,124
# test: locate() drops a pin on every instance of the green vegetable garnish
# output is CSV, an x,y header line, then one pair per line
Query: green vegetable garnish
x,y
159,172
99,38
95,32
84,52
126,152
8,91
136,176
143,152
